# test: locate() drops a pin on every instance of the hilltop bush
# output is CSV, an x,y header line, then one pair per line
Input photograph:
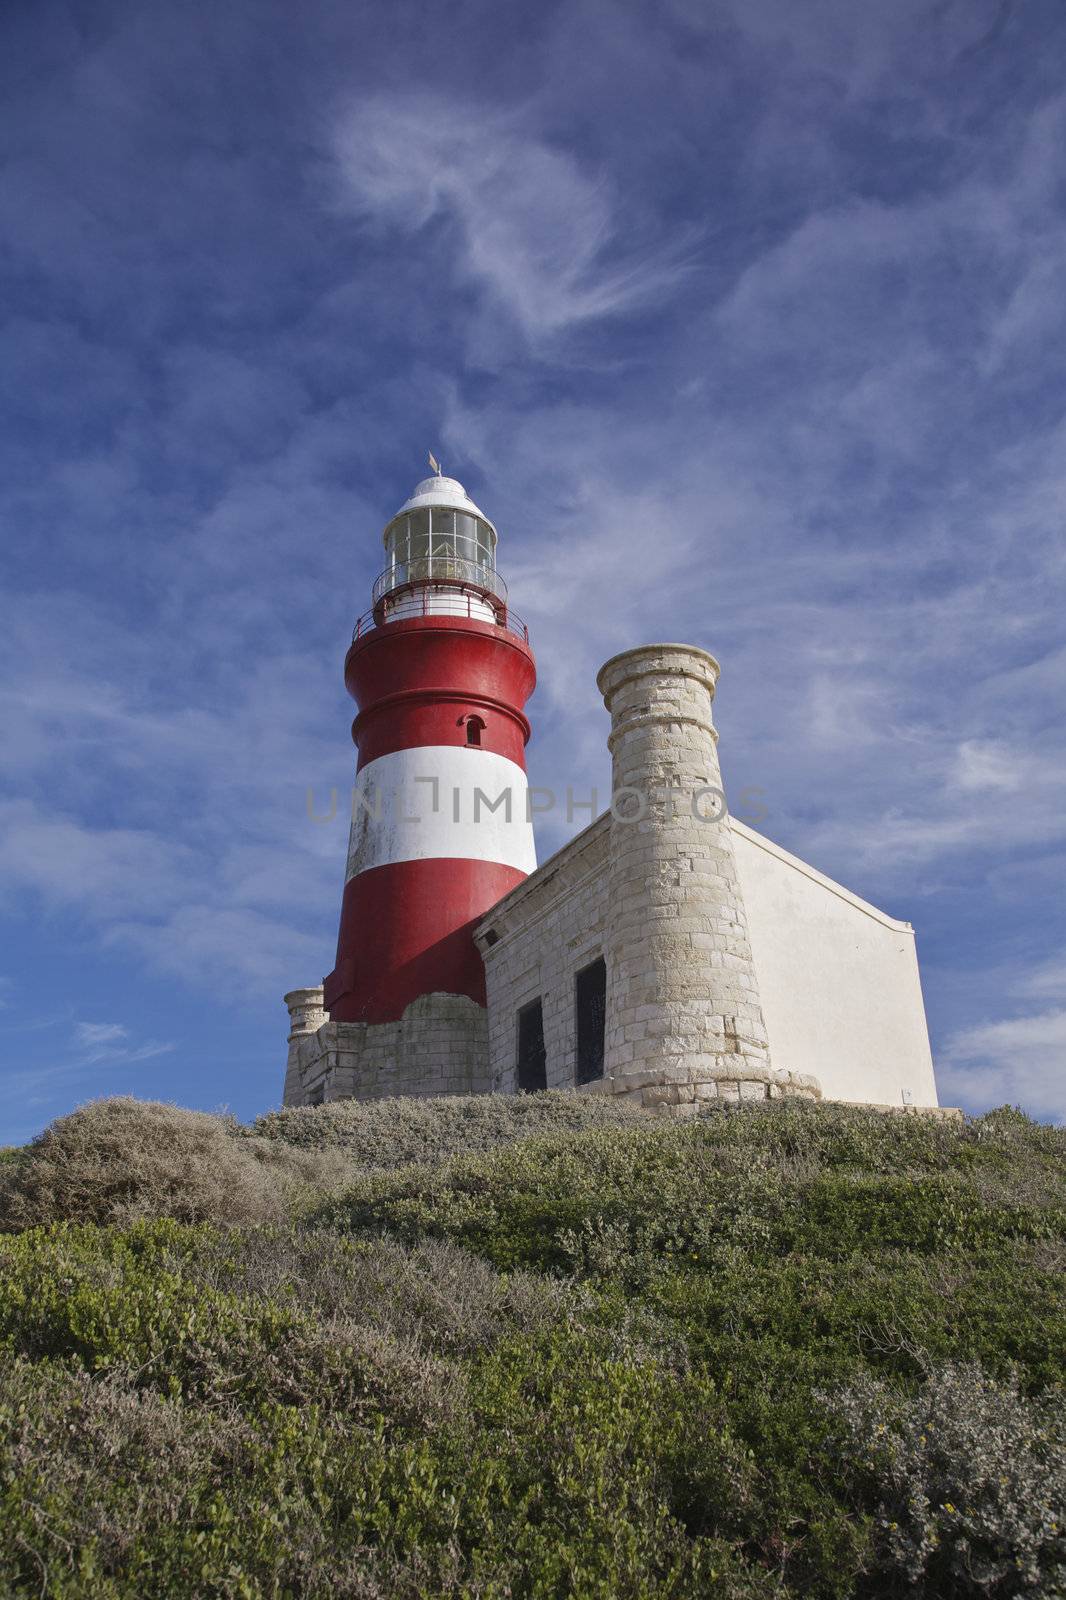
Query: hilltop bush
x,y
781,1351
119,1159
382,1134
825,1182
968,1478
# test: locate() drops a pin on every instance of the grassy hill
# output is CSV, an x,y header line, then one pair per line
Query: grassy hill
x,y
532,1347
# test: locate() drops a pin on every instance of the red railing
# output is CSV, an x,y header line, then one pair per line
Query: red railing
x,y
440,569
444,600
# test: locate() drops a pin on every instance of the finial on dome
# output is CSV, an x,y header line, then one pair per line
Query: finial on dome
x,y
435,464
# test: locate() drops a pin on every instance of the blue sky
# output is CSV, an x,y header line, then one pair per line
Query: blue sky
x,y
744,321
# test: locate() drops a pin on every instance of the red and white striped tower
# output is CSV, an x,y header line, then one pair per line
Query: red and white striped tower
x,y
440,670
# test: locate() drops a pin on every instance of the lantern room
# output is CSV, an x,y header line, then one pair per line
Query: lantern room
x,y
440,555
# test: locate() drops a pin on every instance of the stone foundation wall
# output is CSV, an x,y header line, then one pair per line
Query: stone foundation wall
x,y
439,1046
686,1097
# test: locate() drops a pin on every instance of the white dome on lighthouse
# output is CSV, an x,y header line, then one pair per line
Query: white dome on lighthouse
x,y
448,493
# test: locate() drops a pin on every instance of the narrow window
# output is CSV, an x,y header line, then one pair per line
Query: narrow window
x,y
317,1097
474,726
532,1071
590,1004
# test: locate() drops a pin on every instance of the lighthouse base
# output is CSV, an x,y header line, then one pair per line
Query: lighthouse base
x,y
439,1046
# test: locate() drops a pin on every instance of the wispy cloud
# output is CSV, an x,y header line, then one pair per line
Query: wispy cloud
x,y
111,1041
94,1034
1045,981
548,239
1016,1061
95,1058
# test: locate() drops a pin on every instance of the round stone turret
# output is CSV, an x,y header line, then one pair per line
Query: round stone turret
x,y
307,1013
683,1010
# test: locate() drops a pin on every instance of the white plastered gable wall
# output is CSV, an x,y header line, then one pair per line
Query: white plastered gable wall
x,y
838,980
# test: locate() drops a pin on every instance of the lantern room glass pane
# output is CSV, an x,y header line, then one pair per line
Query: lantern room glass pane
x,y
465,537
443,533
418,535
485,552
437,544
396,543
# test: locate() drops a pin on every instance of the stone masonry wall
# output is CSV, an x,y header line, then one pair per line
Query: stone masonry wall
x,y
539,937
439,1046
533,942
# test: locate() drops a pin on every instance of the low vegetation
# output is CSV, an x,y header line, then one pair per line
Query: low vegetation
x,y
533,1347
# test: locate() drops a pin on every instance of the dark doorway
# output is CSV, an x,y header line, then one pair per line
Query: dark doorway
x,y
590,996
532,1071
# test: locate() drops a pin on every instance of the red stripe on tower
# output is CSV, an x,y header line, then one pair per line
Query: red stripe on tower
x,y
441,671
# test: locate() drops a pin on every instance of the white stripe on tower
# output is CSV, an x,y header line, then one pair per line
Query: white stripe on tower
x,y
440,802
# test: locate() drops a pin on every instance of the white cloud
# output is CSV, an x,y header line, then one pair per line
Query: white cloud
x,y
216,947
984,764
93,1034
858,46
102,871
847,710
109,1042
1017,1061
97,1058
1046,981
944,802
543,236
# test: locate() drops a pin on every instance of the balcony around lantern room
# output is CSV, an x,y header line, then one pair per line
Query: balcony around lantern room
x,y
441,572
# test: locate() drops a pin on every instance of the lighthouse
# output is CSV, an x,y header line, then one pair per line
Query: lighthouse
x,y
440,669
667,953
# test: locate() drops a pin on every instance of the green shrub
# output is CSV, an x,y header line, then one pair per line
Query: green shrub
x,y
571,1352
231,1444
432,1297
967,1479
125,1303
688,1192
383,1134
87,1464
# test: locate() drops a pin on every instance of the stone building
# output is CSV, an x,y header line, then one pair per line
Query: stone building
x,y
667,953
